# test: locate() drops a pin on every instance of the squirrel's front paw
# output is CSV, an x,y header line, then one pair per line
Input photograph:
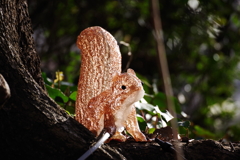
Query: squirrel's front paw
x,y
139,136
118,137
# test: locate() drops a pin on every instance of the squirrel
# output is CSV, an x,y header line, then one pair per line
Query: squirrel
x,y
106,97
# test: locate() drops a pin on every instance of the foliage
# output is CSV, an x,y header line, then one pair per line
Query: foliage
x,y
63,93
149,116
201,42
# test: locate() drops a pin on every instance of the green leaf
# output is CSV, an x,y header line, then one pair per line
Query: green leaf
x,y
160,100
56,94
161,123
183,131
203,132
167,116
146,106
73,96
151,130
46,80
70,110
66,86
185,124
154,110
144,80
141,122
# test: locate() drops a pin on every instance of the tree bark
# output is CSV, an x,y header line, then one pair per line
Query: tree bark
x,y
32,125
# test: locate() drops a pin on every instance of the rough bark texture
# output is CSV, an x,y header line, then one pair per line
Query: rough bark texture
x,y
209,149
33,126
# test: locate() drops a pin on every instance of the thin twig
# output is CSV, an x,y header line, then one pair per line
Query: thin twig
x,y
129,54
158,33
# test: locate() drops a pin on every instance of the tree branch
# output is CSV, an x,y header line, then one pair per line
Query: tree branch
x,y
32,125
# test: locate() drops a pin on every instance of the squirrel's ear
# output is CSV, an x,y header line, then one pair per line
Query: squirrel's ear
x,y
131,71
115,76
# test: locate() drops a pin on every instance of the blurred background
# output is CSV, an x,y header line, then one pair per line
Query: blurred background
x,y
202,40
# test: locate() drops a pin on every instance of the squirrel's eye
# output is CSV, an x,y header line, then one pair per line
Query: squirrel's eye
x,y
123,87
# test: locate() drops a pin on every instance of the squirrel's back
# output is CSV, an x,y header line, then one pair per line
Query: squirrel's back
x,y
100,61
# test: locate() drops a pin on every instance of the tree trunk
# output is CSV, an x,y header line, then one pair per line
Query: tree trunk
x,y
32,125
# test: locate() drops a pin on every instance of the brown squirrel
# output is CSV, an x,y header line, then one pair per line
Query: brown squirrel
x,y
106,96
